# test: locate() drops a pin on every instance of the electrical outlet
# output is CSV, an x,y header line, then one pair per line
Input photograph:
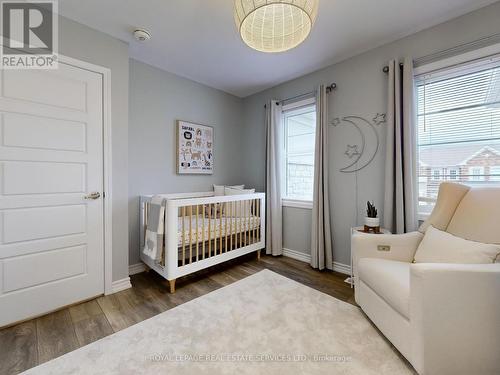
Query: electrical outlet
x,y
383,248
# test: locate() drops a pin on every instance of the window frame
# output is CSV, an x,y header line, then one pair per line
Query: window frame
x,y
292,106
481,57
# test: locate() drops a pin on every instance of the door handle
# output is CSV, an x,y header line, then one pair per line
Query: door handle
x,y
93,195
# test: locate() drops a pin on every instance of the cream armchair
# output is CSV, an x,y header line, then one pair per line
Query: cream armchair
x,y
444,318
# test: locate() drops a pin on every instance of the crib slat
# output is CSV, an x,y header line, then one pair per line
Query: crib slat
x,y
197,239
225,227
230,225
261,212
256,220
254,230
190,234
203,232
220,228
209,229
258,216
183,218
236,224
245,212
241,222
250,227
249,212
215,229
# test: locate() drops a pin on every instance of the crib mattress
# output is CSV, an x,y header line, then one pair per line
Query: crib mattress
x,y
217,227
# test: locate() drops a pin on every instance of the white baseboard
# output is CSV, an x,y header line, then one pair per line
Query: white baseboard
x,y
120,285
342,268
298,255
136,268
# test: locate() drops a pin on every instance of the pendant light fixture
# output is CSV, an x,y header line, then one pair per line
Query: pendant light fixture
x,y
274,25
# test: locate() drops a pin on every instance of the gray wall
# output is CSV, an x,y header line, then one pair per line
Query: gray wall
x,y
361,91
86,44
157,100
296,228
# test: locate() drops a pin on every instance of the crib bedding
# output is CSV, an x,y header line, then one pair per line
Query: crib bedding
x,y
217,227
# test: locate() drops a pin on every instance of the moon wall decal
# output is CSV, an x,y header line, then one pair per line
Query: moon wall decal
x,y
370,143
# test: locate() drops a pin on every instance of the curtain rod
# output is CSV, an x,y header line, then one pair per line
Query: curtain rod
x,y
385,69
453,51
329,89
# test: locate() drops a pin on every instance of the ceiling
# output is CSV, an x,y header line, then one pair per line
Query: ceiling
x,y
197,39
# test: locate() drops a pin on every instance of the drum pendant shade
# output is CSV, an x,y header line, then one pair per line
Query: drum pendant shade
x,y
274,25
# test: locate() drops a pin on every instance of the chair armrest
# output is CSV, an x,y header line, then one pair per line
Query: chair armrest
x,y
402,247
455,318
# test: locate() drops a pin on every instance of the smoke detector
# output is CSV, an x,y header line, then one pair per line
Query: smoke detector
x,y
142,35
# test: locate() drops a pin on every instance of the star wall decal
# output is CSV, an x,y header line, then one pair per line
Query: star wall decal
x,y
336,121
379,118
352,151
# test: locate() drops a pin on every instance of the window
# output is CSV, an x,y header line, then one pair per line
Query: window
x,y
436,174
476,174
299,122
453,174
458,138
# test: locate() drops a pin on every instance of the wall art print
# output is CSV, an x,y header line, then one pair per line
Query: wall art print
x,y
195,148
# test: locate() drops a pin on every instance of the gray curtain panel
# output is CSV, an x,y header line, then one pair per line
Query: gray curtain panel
x,y
321,235
274,165
400,200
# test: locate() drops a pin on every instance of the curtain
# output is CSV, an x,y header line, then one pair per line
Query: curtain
x,y
321,235
400,200
274,165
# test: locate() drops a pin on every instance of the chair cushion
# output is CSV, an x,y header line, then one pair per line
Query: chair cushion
x,y
390,280
476,217
441,247
449,197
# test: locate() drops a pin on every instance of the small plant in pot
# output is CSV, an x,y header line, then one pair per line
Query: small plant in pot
x,y
372,221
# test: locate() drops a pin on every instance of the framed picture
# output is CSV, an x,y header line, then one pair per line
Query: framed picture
x,y
195,148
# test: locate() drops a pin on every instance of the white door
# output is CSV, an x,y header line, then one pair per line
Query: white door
x,y
51,159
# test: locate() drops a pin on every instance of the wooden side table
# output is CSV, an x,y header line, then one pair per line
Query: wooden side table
x,y
358,231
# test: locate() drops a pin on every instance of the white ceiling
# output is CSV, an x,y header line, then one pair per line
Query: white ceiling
x,y
198,39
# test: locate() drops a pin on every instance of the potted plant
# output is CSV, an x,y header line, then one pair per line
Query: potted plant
x,y
372,221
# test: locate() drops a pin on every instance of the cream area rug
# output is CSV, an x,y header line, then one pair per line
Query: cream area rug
x,y
263,324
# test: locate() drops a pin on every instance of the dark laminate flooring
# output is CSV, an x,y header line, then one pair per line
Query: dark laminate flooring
x,y
28,344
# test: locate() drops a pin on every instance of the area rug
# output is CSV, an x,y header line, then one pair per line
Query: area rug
x,y
263,324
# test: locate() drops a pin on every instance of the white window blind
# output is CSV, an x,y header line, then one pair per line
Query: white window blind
x,y
458,139
299,130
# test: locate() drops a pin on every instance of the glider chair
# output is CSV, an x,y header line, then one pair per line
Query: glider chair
x,y
435,293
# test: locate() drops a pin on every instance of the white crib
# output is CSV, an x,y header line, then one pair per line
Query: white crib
x,y
202,230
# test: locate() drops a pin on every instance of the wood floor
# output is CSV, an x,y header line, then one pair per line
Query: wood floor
x,y
39,340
